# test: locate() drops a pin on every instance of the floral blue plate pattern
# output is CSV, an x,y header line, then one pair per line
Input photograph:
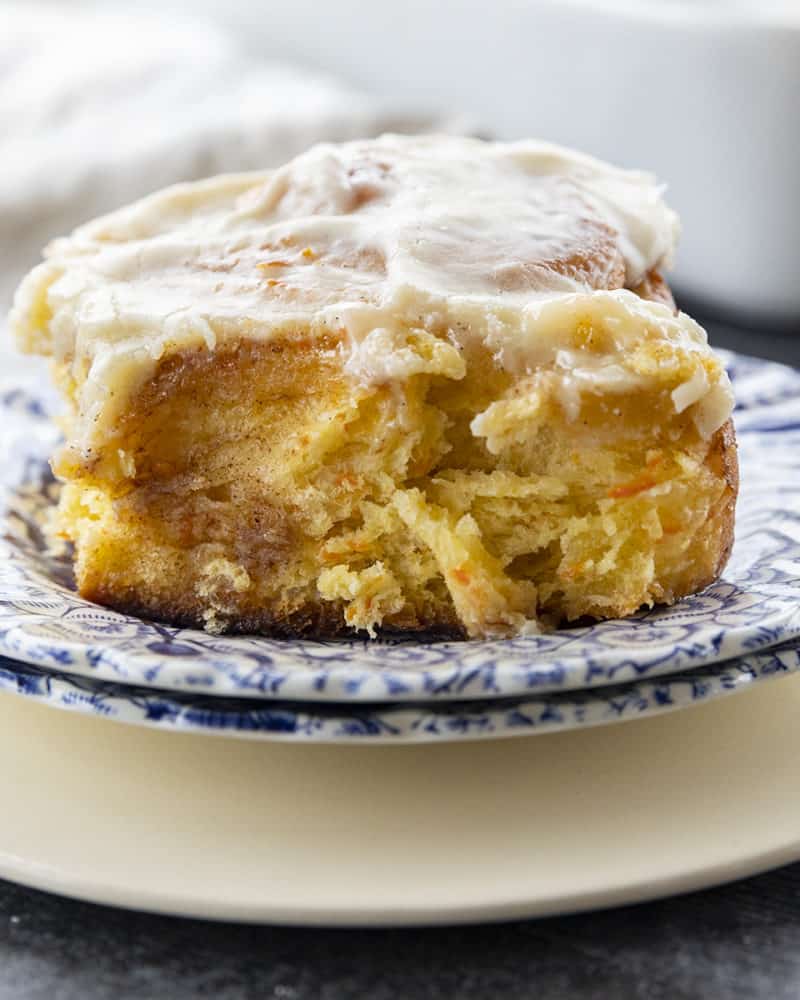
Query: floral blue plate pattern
x,y
395,723
754,607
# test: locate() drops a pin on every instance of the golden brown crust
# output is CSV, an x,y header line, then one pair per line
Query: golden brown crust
x,y
313,620
723,459
656,288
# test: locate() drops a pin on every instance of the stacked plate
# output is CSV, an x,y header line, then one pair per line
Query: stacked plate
x,y
72,654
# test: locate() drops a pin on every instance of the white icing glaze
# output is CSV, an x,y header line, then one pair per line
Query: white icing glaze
x,y
513,244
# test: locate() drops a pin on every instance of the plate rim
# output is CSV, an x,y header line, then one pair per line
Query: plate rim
x,y
637,891
398,723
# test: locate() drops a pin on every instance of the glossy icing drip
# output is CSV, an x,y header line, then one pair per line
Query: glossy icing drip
x,y
513,244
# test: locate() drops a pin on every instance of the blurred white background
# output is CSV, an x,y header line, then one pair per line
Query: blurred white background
x,y
704,94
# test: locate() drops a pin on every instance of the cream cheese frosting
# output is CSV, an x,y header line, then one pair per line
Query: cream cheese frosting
x,y
510,243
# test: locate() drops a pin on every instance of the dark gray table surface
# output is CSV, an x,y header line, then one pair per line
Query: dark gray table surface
x,y
738,941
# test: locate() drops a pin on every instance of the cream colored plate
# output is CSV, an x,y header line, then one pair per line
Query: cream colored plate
x,y
315,834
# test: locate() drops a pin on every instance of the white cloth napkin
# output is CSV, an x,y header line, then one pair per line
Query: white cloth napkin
x,y
100,107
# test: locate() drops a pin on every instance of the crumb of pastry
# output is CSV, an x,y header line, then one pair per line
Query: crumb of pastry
x,y
260,489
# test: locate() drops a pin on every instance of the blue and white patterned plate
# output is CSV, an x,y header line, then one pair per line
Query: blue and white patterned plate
x,y
755,606
395,723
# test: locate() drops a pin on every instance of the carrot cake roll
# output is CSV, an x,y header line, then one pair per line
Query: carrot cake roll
x,y
412,383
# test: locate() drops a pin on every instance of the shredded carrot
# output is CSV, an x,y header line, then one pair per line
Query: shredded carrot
x,y
570,572
272,263
630,489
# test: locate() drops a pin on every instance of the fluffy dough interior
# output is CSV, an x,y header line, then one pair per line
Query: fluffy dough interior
x,y
260,487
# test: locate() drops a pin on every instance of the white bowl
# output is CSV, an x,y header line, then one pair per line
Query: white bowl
x,y
705,94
